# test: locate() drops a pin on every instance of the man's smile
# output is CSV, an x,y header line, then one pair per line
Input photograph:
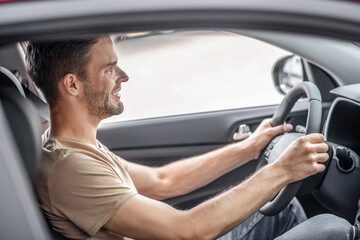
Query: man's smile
x,y
116,94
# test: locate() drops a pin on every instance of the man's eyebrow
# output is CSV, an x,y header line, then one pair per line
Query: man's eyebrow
x,y
109,64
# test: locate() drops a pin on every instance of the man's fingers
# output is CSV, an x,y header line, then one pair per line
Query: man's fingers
x,y
282,129
315,138
266,123
321,157
320,167
321,147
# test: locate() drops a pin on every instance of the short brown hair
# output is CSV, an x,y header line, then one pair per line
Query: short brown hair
x,y
48,62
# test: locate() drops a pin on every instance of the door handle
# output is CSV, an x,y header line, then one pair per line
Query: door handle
x,y
242,133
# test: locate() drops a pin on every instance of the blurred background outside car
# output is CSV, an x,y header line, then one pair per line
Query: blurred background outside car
x,y
187,72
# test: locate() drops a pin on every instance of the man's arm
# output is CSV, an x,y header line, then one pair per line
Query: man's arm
x,y
144,218
189,174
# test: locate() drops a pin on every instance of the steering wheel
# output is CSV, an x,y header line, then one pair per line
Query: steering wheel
x,y
279,143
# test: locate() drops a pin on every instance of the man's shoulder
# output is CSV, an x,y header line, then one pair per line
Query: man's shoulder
x,y
63,157
52,152
67,149
72,159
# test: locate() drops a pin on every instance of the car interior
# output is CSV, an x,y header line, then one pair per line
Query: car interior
x,y
157,141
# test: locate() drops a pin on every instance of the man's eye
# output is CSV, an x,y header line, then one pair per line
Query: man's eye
x,y
109,69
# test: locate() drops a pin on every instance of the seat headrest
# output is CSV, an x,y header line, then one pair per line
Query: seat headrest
x,y
8,79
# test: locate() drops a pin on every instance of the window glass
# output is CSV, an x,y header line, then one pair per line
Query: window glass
x,y
175,73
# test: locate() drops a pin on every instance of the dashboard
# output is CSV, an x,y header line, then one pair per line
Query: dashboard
x,y
340,188
343,124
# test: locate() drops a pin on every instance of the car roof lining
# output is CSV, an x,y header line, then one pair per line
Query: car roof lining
x,y
48,20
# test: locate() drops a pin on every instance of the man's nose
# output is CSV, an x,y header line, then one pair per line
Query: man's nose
x,y
123,77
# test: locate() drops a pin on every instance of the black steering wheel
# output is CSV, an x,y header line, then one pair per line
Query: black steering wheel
x,y
279,143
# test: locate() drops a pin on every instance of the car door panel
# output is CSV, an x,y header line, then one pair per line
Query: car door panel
x,y
184,130
159,141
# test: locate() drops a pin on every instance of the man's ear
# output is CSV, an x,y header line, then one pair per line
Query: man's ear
x,y
71,84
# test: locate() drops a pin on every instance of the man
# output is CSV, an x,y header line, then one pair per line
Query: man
x,y
87,192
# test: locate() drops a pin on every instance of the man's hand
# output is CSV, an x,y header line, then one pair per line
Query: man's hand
x,y
304,157
263,135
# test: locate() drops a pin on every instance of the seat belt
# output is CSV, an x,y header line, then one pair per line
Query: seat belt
x,y
41,107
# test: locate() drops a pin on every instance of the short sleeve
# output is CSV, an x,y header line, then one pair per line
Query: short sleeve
x,y
120,160
87,191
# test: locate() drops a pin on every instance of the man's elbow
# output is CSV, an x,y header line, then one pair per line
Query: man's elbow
x,y
164,188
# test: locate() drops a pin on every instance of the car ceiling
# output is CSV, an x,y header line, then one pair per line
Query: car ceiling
x,y
54,19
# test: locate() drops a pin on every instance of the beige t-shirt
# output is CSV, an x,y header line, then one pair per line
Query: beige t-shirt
x,y
81,186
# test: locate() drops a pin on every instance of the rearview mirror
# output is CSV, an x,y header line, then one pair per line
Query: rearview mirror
x,y
287,73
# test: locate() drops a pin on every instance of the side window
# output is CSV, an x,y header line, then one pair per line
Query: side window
x,y
189,72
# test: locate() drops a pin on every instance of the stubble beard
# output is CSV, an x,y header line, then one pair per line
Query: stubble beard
x,y
99,102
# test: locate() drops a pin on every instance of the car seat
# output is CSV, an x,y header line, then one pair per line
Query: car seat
x,y
20,152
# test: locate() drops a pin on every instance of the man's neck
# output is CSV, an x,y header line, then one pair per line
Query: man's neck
x,y
74,124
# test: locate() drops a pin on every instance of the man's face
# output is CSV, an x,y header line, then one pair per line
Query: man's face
x,y
103,83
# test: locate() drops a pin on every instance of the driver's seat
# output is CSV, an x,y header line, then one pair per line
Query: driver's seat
x,y
20,148
20,152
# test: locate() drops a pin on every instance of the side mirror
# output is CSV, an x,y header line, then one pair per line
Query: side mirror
x,y
287,73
